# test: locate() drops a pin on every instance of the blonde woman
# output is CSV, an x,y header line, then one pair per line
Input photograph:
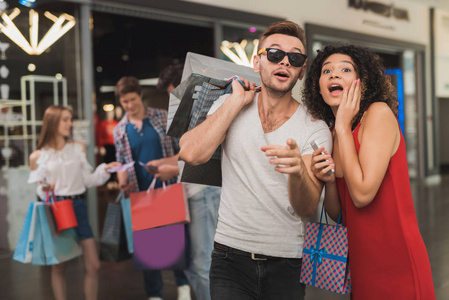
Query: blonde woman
x,y
59,164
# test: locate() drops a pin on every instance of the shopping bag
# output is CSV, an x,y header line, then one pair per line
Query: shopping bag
x,y
210,67
162,248
113,243
64,214
24,248
126,214
325,257
187,94
52,247
208,173
159,207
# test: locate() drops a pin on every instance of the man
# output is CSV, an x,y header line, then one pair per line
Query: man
x,y
267,182
203,204
140,137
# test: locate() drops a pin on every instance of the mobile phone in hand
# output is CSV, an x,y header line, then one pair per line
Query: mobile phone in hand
x,y
315,147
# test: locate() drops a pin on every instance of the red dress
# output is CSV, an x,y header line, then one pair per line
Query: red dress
x,y
387,256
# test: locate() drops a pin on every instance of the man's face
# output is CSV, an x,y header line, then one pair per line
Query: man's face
x,y
131,103
279,78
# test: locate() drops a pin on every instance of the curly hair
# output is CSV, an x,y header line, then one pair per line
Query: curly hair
x,y
376,86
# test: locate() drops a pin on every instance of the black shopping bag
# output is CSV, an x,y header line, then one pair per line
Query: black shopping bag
x,y
186,94
113,243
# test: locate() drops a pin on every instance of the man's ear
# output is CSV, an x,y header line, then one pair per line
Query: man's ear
x,y
256,61
302,72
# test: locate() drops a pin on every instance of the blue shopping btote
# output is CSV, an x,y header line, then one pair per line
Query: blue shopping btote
x,y
24,248
126,213
40,244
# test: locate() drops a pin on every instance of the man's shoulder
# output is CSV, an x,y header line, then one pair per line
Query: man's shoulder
x,y
308,118
156,111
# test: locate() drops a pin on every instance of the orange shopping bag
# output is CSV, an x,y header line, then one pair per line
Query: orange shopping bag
x,y
159,207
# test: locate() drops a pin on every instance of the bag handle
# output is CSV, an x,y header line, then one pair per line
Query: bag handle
x,y
49,199
120,196
325,215
153,184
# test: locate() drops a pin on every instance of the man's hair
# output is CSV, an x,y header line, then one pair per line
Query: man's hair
x,y
127,84
286,28
170,75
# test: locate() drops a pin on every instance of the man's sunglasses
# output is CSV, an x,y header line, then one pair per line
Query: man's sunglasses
x,y
276,55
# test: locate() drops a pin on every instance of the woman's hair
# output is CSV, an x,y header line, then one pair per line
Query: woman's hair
x,y
127,84
52,117
375,85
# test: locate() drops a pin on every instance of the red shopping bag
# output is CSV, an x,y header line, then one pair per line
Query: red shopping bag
x,y
63,212
159,207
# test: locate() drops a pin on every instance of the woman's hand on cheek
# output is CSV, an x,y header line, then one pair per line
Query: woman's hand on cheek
x,y
349,107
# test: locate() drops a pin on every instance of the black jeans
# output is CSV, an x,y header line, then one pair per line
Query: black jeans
x,y
238,277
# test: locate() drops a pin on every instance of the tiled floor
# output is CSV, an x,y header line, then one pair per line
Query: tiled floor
x,y
119,280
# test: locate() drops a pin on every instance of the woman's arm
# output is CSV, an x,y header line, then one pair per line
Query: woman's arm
x,y
321,166
379,139
100,175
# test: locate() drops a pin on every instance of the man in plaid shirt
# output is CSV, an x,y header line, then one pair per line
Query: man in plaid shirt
x,y
140,137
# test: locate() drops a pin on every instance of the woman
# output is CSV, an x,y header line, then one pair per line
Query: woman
x,y
60,165
346,87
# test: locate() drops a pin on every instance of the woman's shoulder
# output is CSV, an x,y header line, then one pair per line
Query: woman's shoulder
x,y
78,146
379,116
379,110
34,157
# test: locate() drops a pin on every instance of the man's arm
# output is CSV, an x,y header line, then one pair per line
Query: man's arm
x,y
198,144
304,189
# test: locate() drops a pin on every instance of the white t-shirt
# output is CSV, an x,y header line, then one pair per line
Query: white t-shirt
x,y
69,169
255,214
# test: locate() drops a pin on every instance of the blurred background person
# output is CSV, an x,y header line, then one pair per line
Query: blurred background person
x,y
59,164
140,137
203,204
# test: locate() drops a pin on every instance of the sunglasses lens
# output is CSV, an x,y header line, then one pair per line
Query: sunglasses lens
x,y
275,55
296,59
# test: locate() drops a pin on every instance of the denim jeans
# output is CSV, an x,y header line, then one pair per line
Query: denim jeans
x,y
154,284
238,277
203,222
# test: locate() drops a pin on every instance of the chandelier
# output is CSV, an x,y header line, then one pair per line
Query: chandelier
x,y
60,26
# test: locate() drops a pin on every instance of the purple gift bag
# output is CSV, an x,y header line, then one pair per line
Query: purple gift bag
x,y
161,248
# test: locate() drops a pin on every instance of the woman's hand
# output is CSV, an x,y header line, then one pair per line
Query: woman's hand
x,y
349,107
322,165
112,165
45,186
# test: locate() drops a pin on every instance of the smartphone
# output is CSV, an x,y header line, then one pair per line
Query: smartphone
x,y
315,147
150,167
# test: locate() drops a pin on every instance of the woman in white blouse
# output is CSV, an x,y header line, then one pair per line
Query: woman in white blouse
x,y
60,165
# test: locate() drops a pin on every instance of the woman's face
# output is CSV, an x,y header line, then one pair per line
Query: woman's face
x,y
337,73
65,124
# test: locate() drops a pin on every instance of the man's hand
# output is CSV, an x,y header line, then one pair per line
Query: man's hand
x,y
286,158
239,92
164,168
